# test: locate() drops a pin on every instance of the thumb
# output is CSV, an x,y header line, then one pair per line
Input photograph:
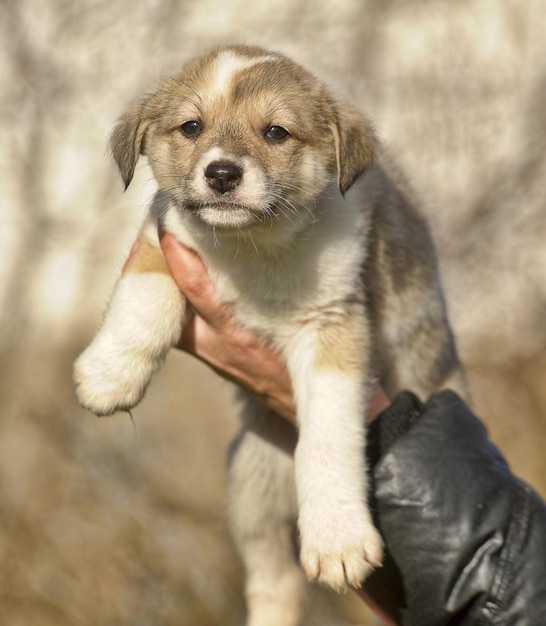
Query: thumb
x,y
192,277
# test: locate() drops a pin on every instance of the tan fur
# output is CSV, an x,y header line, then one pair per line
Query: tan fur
x,y
342,344
146,258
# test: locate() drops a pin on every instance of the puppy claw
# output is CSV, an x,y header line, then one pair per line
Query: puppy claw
x,y
340,564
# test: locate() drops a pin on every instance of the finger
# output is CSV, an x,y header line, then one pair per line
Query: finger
x,y
187,341
191,276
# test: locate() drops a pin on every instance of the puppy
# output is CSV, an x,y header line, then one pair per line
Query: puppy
x,y
257,164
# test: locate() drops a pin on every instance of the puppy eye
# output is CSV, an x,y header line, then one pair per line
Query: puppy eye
x,y
191,128
276,134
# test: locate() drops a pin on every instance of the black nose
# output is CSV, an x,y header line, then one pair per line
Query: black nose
x,y
223,176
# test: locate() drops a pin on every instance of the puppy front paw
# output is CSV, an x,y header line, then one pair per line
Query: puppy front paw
x,y
111,378
341,549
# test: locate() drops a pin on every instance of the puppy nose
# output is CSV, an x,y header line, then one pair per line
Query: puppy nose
x,y
223,176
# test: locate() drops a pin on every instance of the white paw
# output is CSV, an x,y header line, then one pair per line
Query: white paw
x,y
340,549
111,378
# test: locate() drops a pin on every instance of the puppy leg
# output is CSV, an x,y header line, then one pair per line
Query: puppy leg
x,y
143,321
262,511
339,543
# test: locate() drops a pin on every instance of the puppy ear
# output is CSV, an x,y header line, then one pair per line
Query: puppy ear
x,y
354,144
127,139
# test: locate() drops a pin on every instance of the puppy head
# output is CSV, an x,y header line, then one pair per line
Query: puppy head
x,y
242,135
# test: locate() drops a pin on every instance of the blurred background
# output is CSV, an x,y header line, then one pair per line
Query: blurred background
x,y
103,525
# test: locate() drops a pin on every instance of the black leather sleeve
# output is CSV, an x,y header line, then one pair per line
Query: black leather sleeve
x,y
466,539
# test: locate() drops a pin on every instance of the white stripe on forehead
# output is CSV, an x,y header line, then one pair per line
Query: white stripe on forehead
x,y
227,64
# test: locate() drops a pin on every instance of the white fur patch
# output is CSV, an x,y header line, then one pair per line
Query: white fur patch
x,y
228,64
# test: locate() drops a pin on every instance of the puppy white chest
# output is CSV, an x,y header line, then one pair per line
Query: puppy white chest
x,y
275,289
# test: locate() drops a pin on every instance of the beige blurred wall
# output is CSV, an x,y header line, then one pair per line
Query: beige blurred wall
x,y
98,526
